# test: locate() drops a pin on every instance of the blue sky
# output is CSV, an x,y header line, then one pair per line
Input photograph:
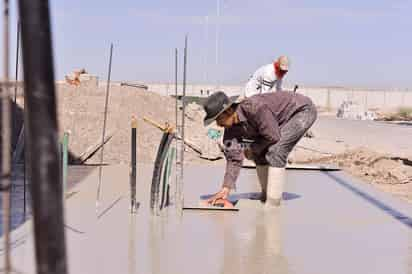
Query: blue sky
x,y
351,43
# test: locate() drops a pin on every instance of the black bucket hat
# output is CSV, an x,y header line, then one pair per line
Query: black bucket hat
x,y
216,104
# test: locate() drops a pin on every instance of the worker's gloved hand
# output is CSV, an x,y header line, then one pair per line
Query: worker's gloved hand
x,y
220,197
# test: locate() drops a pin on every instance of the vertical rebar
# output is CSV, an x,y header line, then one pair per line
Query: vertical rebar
x,y
183,122
43,144
178,168
99,186
26,158
14,120
65,163
176,68
133,168
6,145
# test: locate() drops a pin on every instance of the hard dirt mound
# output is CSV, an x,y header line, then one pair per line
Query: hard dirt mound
x,y
389,173
81,112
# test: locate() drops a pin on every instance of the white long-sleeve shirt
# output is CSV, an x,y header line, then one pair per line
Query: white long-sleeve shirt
x,y
262,81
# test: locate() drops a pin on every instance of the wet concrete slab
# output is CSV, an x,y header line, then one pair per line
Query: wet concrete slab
x,y
328,223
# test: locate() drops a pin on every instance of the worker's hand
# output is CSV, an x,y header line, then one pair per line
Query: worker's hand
x,y
221,195
248,153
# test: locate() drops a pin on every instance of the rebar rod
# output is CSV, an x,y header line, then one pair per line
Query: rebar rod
x,y
177,168
16,74
65,162
133,168
99,186
176,96
43,142
183,123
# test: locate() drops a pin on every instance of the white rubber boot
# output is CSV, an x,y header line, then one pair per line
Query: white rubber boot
x,y
262,174
276,182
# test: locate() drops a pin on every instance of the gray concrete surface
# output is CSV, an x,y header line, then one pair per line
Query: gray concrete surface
x,y
20,211
336,135
329,223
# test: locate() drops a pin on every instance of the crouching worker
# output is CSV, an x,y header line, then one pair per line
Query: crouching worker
x,y
263,128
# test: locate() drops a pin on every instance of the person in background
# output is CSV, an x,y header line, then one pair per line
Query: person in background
x,y
267,78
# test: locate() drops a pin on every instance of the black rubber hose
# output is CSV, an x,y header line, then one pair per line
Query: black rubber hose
x,y
158,168
163,182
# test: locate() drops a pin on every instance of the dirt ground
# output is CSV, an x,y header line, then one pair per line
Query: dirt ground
x,y
388,173
81,112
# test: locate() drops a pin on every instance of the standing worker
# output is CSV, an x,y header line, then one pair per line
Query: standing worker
x,y
263,128
267,77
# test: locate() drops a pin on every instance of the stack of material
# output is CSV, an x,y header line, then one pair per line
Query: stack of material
x,y
81,77
353,111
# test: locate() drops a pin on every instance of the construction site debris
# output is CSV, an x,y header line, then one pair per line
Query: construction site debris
x,y
309,134
352,110
90,151
135,85
80,76
403,114
379,168
388,173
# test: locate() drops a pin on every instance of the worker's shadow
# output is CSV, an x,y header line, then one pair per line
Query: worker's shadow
x,y
234,198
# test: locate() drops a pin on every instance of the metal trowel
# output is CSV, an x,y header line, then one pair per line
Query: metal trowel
x,y
220,205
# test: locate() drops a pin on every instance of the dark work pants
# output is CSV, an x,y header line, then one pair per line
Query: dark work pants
x,y
291,133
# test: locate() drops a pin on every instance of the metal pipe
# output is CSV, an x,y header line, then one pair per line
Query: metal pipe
x,y
177,193
16,74
43,146
14,120
104,127
133,204
26,159
176,118
183,122
65,161
176,101
6,145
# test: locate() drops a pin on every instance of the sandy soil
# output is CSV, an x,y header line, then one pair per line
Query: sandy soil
x,y
81,112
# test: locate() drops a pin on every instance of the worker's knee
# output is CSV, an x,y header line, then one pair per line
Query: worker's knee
x,y
277,156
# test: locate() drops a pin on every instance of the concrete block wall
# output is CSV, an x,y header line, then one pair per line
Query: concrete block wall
x,y
332,98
